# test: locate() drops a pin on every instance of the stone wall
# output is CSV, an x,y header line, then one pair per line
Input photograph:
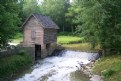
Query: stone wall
x,y
8,52
30,50
53,46
47,52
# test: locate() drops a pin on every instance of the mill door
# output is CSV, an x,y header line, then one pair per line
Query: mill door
x,y
37,51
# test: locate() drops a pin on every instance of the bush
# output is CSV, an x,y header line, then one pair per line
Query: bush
x,y
110,67
18,35
108,73
10,65
22,52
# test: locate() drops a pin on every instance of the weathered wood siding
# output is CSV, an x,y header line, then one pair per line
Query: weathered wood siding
x,y
50,36
33,25
40,36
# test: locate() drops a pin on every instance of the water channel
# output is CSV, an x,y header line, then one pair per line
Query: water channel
x,y
62,67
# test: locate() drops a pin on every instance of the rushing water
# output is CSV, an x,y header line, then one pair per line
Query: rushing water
x,y
58,68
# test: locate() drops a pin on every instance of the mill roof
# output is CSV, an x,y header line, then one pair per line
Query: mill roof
x,y
46,21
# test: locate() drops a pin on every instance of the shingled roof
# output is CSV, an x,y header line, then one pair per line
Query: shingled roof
x,y
44,20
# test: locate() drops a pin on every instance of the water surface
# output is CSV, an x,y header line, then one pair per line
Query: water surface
x,y
59,68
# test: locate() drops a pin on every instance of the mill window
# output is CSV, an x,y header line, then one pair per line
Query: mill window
x,y
33,35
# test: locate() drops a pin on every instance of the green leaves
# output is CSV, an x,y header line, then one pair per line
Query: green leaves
x,y
9,20
56,9
98,21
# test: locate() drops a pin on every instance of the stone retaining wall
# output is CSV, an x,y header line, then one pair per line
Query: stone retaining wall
x,y
28,49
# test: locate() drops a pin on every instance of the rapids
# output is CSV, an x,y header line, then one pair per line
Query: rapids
x,y
58,68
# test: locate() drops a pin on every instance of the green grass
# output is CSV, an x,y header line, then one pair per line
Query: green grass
x,y
79,46
109,67
68,39
16,41
75,43
10,65
86,47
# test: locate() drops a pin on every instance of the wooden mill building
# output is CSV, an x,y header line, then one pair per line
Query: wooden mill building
x,y
41,33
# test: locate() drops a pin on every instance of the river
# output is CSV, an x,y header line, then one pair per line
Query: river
x,y
63,67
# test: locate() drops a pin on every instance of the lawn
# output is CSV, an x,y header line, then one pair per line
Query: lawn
x,y
75,43
109,67
18,40
68,39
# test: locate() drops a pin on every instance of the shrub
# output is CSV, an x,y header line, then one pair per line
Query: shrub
x,y
22,52
108,73
10,65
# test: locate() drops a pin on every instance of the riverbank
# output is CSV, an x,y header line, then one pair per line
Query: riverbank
x,y
109,67
83,47
12,65
87,70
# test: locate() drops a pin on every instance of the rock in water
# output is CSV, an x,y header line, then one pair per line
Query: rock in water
x,y
96,78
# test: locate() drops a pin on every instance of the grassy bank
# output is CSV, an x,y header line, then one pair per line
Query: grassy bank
x,y
9,66
109,67
75,43
16,41
79,46
68,39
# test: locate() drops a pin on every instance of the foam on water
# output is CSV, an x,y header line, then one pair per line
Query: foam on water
x,y
57,68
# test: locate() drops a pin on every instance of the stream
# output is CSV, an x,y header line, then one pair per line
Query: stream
x,y
63,67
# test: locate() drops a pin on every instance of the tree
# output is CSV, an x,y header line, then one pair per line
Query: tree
x,y
100,22
56,9
9,20
29,7
73,12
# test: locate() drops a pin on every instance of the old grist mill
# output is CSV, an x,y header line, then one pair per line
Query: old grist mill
x,y
40,32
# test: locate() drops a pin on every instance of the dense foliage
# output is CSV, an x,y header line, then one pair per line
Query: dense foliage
x,y
99,21
9,20
109,67
9,66
56,9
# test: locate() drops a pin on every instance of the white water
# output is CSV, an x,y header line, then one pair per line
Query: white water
x,y
57,68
